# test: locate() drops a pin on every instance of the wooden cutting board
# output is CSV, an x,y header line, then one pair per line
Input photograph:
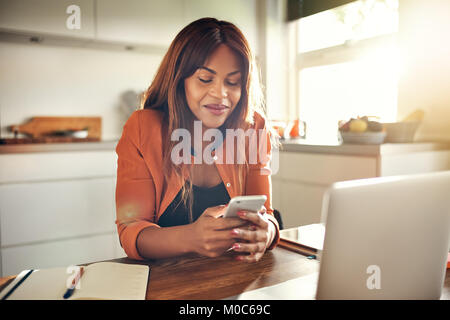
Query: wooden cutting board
x,y
39,127
45,140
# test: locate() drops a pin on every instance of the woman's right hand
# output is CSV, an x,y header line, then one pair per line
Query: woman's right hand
x,y
211,235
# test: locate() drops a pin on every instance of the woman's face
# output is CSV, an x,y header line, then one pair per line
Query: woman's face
x,y
214,90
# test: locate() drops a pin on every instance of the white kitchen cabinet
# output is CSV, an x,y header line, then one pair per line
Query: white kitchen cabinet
x,y
276,195
242,13
47,211
324,169
302,203
43,166
155,22
304,177
151,22
47,17
57,208
60,253
417,162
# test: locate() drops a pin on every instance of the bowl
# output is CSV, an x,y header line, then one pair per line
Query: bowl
x,y
80,134
363,137
401,132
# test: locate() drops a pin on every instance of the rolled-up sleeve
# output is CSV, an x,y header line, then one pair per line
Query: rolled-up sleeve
x,y
135,189
259,179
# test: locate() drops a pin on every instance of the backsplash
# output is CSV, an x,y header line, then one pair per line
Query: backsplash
x,y
37,80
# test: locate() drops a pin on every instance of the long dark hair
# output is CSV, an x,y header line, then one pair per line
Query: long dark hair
x,y
187,52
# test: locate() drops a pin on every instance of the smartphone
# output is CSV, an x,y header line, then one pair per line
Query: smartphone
x,y
249,203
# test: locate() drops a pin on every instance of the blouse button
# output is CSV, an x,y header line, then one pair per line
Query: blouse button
x,y
215,158
228,184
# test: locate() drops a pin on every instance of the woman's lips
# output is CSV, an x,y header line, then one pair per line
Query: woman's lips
x,y
216,109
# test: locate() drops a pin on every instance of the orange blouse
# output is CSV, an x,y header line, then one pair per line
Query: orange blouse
x,y
141,194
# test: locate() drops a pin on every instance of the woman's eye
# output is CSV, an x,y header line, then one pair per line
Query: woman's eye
x,y
230,83
233,83
204,80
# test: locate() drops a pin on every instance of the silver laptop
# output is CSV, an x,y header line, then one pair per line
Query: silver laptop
x,y
386,238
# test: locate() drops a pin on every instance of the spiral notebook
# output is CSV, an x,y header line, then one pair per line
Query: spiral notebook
x,y
102,280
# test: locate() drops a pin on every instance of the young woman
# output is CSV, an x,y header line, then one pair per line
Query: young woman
x,y
166,208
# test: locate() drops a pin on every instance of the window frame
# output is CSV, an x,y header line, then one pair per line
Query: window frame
x,y
350,50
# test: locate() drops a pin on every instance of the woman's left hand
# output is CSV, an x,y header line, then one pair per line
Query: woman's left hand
x,y
256,237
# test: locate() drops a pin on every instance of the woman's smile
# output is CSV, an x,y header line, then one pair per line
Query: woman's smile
x,y
217,109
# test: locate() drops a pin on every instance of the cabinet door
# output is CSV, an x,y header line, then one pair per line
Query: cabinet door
x,y
59,253
47,166
47,17
302,203
325,169
417,162
303,179
56,210
277,203
152,22
243,13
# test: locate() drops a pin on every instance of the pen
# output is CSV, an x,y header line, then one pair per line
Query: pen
x,y
17,284
75,281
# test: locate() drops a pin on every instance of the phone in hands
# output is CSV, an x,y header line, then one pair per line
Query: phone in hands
x,y
245,203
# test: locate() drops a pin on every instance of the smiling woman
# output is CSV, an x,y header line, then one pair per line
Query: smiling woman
x,y
165,208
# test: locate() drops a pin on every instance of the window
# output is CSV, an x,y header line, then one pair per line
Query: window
x,y
347,65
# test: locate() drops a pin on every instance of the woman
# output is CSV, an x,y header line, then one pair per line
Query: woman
x,y
165,208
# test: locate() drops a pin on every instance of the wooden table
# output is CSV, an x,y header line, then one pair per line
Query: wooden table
x,y
194,277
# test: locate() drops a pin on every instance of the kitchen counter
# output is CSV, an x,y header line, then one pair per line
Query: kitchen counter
x,y
106,145
294,145
336,147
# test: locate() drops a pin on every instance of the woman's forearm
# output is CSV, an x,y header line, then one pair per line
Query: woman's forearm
x,y
159,243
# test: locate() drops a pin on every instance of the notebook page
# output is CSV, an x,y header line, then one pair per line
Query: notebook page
x,y
311,235
104,280
115,281
44,284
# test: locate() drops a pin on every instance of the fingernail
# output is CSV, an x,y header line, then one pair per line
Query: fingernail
x,y
239,258
236,246
241,213
235,232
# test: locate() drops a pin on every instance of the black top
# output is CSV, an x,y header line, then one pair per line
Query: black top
x,y
177,213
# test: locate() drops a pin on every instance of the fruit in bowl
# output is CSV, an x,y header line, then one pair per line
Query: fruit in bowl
x,y
362,130
360,124
357,125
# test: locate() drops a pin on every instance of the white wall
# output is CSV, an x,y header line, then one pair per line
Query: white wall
x,y
425,79
38,80
44,80
66,81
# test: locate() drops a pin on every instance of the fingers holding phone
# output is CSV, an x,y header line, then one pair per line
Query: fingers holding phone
x,y
210,235
244,203
252,242
243,228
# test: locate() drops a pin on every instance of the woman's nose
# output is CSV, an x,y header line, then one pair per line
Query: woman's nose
x,y
219,90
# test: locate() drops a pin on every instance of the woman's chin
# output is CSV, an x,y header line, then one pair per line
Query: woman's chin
x,y
212,124
213,121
